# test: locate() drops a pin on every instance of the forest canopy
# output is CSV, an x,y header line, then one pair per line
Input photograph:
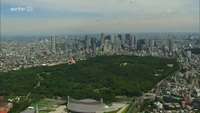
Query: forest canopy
x,y
194,50
97,77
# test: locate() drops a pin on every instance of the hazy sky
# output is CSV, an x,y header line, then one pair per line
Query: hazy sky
x,y
95,16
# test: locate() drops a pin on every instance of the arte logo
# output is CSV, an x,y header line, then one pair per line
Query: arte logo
x,y
21,9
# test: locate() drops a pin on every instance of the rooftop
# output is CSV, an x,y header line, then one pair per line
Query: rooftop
x,y
3,104
87,105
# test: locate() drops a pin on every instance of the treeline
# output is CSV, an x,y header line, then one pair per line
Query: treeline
x,y
194,50
98,77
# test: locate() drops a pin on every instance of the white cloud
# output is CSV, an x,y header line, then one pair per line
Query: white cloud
x,y
133,1
169,11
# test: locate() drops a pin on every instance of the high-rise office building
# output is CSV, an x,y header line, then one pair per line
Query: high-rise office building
x,y
141,44
93,42
128,37
112,38
135,41
63,47
132,41
115,46
31,50
164,48
151,44
53,43
0,43
87,43
102,39
120,36
188,55
94,47
117,43
170,44
123,42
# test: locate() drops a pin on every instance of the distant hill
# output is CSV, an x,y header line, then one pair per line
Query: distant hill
x,y
97,77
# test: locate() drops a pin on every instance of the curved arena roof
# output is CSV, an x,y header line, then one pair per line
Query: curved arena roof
x,y
87,106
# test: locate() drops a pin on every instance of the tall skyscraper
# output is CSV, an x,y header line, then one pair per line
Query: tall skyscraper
x,y
151,44
31,50
120,38
135,41
112,38
93,42
87,43
128,37
63,47
132,41
170,44
94,47
0,44
117,43
102,39
141,44
53,43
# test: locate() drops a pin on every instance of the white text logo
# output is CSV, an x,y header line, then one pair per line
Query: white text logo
x,y
21,9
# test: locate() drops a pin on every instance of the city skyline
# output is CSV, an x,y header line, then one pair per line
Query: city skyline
x,y
92,16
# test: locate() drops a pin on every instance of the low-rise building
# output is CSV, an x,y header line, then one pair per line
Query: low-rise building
x,y
5,107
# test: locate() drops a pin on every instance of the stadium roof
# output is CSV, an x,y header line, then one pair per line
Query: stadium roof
x,y
87,106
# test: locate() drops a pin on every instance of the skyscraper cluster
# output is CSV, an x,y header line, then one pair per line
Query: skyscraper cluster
x,y
110,42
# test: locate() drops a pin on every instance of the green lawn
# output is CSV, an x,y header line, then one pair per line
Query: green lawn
x,y
42,103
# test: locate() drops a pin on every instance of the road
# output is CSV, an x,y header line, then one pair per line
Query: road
x,y
122,106
60,109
